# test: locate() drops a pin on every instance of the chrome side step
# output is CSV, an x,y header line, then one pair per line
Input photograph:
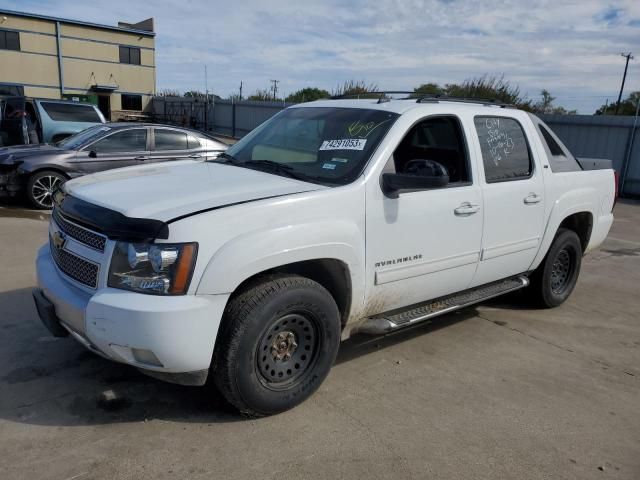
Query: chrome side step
x,y
396,319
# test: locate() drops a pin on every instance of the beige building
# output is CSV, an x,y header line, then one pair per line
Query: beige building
x,y
47,57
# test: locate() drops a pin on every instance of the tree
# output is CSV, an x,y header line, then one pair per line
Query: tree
x,y
627,106
493,88
546,106
356,88
169,92
263,95
429,89
308,94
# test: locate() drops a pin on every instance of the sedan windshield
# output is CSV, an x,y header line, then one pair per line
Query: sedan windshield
x,y
317,144
74,142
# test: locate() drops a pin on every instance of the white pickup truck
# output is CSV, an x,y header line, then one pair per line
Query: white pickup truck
x,y
333,217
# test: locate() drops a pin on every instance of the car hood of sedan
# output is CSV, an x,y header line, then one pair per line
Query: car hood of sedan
x,y
170,190
16,153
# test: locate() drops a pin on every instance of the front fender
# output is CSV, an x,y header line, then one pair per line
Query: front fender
x,y
247,255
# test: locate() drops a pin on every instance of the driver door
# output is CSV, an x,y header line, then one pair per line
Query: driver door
x,y
424,244
123,148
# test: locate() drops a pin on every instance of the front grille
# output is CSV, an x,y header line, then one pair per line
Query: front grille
x,y
75,267
82,235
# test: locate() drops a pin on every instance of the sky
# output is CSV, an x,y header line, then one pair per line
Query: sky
x,y
570,48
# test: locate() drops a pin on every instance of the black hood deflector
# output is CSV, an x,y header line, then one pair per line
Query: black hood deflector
x,y
113,224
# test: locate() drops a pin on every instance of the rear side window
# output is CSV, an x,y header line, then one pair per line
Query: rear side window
x,y
554,148
134,140
68,112
170,140
505,152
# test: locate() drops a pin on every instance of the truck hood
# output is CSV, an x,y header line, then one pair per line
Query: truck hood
x,y
9,155
170,190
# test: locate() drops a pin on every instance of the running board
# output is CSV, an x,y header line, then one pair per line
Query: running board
x,y
396,319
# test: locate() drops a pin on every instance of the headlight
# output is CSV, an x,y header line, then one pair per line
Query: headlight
x,y
155,268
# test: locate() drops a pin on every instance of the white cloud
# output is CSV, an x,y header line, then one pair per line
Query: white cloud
x,y
569,48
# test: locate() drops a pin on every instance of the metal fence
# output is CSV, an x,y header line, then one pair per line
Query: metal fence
x,y
592,136
239,118
603,136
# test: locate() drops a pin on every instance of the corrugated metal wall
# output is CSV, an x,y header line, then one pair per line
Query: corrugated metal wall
x,y
603,136
239,118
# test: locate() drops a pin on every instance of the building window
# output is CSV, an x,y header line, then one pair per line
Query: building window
x,y
11,90
9,40
131,102
505,152
130,55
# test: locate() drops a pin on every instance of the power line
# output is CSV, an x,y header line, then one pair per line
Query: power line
x,y
628,56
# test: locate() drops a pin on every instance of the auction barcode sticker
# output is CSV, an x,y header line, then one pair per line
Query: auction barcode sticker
x,y
344,144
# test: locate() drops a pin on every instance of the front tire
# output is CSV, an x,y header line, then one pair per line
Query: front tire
x,y
41,186
556,277
278,341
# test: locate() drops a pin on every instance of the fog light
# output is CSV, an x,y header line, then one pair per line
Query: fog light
x,y
146,356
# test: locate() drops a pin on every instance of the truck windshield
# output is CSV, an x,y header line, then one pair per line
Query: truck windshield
x,y
316,144
82,138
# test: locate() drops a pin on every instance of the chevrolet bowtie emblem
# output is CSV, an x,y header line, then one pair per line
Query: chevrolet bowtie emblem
x,y
58,238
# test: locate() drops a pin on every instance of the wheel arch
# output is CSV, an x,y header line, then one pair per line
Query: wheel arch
x,y
582,224
331,273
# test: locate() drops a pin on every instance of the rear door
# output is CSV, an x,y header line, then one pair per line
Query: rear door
x,y
174,144
122,148
13,128
513,191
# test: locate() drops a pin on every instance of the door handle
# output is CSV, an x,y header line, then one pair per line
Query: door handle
x,y
195,155
141,157
467,208
532,198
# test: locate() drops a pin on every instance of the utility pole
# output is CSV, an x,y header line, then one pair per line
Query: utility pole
x,y
628,56
206,99
240,98
275,88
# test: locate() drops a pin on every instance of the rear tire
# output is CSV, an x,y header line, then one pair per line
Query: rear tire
x,y
41,186
277,343
556,277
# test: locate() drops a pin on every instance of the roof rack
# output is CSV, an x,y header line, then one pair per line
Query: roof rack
x,y
381,95
491,102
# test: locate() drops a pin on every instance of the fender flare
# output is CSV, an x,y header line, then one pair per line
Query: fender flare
x,y
569,204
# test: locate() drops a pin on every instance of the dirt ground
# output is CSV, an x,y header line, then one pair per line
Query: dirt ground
x,y
498,391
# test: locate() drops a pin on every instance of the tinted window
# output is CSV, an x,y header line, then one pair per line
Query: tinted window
x,y
9,40
170,140
126,141
131,102
505,152
69,112
439,139
554,148
130,55
83,138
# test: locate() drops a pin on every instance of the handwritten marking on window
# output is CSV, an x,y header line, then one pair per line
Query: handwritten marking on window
x,y
499,142
361,129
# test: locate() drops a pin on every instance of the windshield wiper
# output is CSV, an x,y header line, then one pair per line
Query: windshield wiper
x,y
276,168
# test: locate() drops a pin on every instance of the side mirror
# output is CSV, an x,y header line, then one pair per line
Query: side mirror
x,y
93,154
417,175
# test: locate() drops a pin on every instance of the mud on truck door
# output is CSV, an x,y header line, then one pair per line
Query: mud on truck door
x,y
424,244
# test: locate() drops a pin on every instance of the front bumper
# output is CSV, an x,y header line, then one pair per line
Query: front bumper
x,y
168,337
11,183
